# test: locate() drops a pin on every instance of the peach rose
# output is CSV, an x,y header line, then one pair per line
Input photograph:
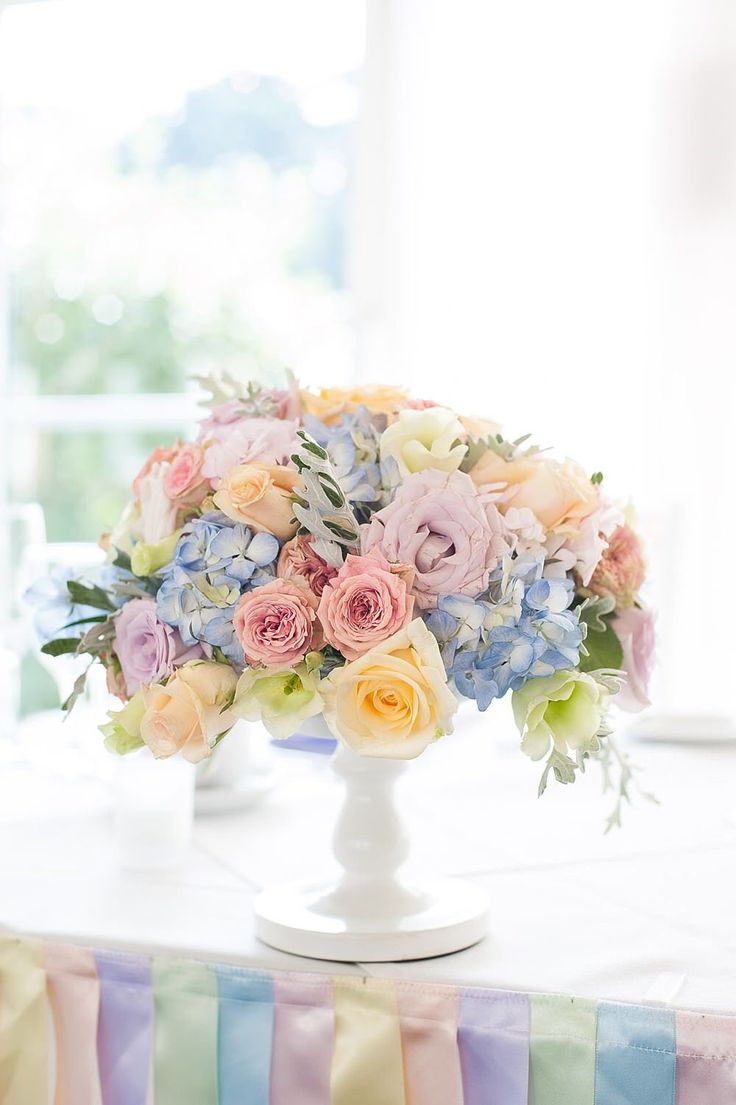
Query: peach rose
x,y
394,700
329,403
184,481
188,714
276,624
557,492
621,570
298,558
367,602
258,496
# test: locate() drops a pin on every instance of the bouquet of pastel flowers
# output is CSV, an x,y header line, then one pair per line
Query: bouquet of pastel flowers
x,y
367,556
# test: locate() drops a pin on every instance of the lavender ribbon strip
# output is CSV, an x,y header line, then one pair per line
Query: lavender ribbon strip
x,y
493,1036
245,1036
635,1055
125,1028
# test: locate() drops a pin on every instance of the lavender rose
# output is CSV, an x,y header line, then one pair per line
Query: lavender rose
x,y
440,524
634,627
147,649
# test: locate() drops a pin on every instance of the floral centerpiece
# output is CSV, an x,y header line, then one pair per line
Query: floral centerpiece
x,y
371,557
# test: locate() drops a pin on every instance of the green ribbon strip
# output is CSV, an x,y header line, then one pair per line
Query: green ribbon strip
x,y
562,1051
185,1064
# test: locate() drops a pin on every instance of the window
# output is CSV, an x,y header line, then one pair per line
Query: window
x,y
176,185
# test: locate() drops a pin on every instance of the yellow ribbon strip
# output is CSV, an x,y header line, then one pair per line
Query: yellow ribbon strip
x,y
24,1024
366,1065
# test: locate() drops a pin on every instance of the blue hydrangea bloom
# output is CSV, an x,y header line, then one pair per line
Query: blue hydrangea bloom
x,y
352,444
489,648
214,563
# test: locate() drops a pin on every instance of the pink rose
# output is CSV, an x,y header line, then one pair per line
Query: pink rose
x,y
634,628
620,572
440,524
298,558
147,649
277,624
184,480
250,440
366,603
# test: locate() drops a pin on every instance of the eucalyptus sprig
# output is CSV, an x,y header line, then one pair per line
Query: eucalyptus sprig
x,y
321,506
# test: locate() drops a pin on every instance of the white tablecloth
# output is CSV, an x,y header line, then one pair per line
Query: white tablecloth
x,y
643,914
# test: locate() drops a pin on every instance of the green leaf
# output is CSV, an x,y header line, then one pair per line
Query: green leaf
x,y
604,649
81,595
61,646
122,560
85,621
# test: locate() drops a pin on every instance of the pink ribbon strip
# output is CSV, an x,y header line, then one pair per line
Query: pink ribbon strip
x,y
74,993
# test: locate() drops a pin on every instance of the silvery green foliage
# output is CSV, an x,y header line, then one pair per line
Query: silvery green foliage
x,y
495,443
222,387
619,779
322,507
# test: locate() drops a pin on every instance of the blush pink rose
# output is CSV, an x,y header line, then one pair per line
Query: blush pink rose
x,y
634,628
147,649
444,527
277,624
366,603
298,558
184,481
620,572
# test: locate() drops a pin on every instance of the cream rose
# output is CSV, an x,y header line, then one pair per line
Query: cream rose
x,y
394,700
258,496
189,712
431,438
557,492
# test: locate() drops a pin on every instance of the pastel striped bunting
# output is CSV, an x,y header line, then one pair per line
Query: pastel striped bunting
x,y
103,1028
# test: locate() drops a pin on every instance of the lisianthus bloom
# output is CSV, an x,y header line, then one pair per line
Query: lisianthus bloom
x,y
276,624
147,559
368,601
329,403
158,514
250,440
122,732
634,627
440,524
185,482
147,649
298,558
557,492
160,455
190,712
431,438
258,496
394,700
620,571
564,711
282,700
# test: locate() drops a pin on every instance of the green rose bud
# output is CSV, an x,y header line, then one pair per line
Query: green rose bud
x,y
122,732
147,559
282,700
564,710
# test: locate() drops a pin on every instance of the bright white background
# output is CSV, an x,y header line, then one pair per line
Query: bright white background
x,y
542,228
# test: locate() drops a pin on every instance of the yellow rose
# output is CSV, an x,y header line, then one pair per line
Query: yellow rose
x,y
258,496
188,714
558,492
394,700
329,403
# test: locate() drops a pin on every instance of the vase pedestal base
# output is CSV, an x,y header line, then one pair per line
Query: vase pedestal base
x,y
356,924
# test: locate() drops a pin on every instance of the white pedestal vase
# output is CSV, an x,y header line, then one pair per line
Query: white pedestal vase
x,y
372,913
